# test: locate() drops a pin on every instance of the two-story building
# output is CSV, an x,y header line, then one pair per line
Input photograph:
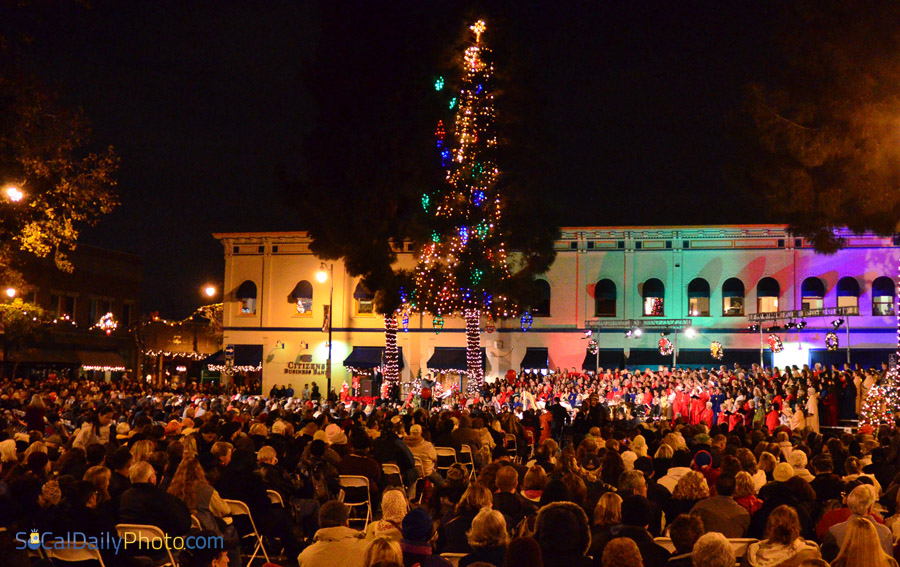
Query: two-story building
x,y
618,282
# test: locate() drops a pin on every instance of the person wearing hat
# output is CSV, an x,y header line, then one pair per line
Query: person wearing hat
x,y
335,543
418,532
721,513
337,439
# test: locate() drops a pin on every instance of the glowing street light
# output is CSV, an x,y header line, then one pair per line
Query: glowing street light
x,y
14,194
210,290
10,292
322,274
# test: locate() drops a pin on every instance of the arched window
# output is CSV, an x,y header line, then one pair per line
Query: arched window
x,y
246,294
365,300
542,295
605,298
698,298
767,293
812,293
733,298
654,294
883,296
848,292
302,297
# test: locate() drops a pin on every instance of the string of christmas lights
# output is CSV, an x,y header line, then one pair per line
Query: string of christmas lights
x,y
464,266
391,352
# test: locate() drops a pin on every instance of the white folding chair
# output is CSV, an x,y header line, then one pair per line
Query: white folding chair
x,y
238,508
70,554
275,497
392,475
467,460
446,458
139,532
453,558
420,482
356,485
740,545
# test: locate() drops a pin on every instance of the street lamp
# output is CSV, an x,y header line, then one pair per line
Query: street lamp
x,y
14,194
327,273
10,292
210,290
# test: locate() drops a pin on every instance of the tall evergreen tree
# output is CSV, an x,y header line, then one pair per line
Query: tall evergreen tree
x,y
464,268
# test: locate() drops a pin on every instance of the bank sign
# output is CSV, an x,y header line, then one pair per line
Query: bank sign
x,y
304,366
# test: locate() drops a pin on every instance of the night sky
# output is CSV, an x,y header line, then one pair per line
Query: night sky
x,y
206,102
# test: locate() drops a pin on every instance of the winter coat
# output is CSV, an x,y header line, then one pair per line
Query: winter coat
x,y
339,545
768,554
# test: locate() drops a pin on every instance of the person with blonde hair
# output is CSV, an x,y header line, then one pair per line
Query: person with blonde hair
x,y
862,547
745,492
453,534
783,546
622,552
488,538
142,450
190,486
690,489
607,517
713,550
383,551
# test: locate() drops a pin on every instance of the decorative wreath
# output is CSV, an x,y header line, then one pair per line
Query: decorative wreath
x,y
831,340
665,346
775,343
107,323
716,350
593,346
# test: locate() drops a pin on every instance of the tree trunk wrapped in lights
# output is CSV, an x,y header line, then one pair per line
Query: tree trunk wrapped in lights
x,y
463,268
882,404
391,356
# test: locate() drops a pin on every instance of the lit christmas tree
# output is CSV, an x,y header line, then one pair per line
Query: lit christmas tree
x,y
463,269
882,405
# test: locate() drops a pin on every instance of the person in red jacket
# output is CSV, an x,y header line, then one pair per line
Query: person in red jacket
x,y
706,417
771,418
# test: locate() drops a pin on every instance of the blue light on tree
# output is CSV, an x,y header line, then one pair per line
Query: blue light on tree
x,y
464,234
526,321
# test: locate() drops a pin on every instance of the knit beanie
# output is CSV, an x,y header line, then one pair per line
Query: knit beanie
x,y
417,525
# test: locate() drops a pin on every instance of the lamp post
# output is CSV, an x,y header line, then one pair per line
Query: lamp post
x,y
323,275
13,193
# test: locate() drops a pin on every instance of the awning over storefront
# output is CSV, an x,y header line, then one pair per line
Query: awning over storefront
x,y
102,360
245,356
452,358
366,358
45,356
604,358
536,358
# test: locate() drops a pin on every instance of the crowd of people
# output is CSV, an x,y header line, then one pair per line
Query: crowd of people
x,y
561,469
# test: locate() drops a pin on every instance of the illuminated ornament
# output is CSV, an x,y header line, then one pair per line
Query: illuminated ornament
x,y
426,201
716,350
775,343
666,347
439,83
477,274
437,323
593,346
482,230
435,237
452,103
490,327
439,132
405,322
526,321
107,323
479,89
831,340
478,28
464,235
479,198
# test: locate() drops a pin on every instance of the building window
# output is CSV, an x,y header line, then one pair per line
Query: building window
x,y
767,293
733,298
365,300
63,305
698,298
605,298
302,297
812,293
99,308
542,296
654,295
883,296
848,292
246,295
